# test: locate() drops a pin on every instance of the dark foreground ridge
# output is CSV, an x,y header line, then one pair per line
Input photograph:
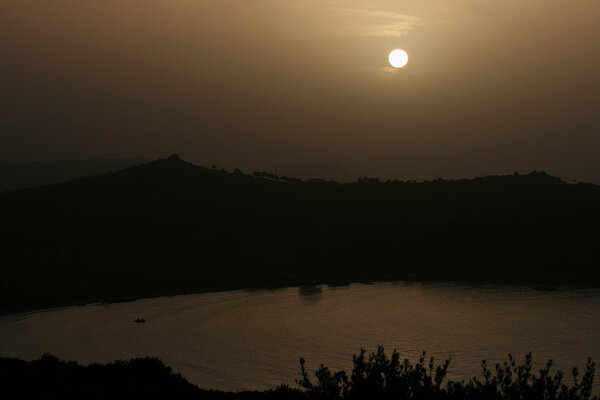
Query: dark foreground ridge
x,y
169,227
140,378
374,376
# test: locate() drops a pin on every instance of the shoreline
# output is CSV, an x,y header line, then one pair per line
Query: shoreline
x,y
79,301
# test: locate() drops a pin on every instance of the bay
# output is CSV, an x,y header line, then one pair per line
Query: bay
x,y
238,340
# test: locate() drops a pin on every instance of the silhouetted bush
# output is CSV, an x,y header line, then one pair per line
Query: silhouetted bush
x,y
381,377
374,376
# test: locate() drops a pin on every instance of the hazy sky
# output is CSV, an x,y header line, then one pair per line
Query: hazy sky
x,y
492,86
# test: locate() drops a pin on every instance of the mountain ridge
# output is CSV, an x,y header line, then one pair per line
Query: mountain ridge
x,y
169,226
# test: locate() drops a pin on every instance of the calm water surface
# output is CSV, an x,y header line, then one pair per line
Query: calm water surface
x,y
252,339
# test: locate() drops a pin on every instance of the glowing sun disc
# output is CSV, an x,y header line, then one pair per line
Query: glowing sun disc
x,y
398,58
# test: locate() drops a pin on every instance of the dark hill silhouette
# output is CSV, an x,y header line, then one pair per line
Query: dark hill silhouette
x,y
170,227
326,169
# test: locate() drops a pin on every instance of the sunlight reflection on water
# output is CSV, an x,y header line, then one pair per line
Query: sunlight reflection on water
x,y
252,339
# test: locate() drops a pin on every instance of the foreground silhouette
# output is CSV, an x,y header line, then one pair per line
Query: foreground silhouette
x,y
141,378
169,227
378,376
374,376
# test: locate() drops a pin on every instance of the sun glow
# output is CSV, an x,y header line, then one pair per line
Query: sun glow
x,y
398,58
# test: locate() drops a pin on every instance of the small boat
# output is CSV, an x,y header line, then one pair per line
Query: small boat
x,y
140,321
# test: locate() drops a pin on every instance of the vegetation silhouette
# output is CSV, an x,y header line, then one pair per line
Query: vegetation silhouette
x,y
140,378
379,376
168,227
374,376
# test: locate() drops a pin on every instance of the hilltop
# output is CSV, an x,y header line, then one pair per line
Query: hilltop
x,y
168,226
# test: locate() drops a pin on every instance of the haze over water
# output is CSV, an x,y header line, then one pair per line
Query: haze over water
x,y
252,339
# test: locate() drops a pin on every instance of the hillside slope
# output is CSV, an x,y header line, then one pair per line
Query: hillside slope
x,y
15,175
169,227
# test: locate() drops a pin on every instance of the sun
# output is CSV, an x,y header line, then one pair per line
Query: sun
x,y
398,58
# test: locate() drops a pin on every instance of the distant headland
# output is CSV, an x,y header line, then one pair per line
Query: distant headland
x,y
167,227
